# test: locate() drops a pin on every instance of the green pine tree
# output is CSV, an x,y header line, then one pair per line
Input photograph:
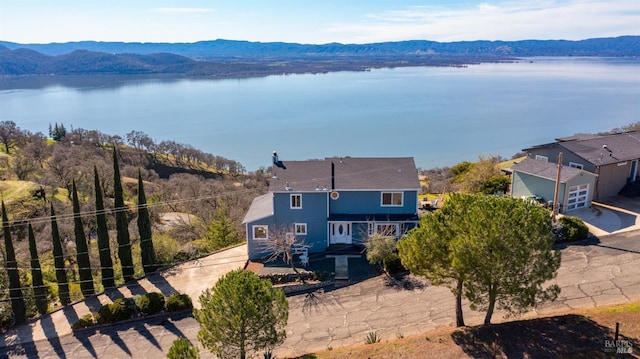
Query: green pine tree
x,y
122,222
39,290
58,259
15,291
144,229
221,231
82,249
106,264
241,315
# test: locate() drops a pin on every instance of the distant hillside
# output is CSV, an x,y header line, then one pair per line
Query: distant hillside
x,y
618,46
225,58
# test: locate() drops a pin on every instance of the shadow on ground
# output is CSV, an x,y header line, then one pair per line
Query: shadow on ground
x,y
538,338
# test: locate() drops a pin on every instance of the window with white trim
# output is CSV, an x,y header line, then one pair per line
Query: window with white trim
x,y
576,165
296,201
542,158
392,198
301,229
260,232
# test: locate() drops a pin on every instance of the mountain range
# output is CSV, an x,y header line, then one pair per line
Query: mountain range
x,y
228,58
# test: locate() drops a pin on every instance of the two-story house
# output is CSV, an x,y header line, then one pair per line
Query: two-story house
x,y
335,201
612,158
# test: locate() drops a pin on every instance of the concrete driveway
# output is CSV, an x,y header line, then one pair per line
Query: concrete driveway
x,y
610,215
597,272
191,277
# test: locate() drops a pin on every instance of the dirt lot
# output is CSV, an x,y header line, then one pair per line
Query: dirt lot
x,y
580,334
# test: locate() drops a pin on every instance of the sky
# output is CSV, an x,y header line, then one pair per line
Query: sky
x,y
314,21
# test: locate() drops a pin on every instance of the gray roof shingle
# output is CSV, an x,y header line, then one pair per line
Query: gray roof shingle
x,y
547,170
619,147
261,207
349,173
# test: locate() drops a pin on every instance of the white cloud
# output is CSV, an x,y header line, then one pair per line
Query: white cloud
x,y
536,19
182,10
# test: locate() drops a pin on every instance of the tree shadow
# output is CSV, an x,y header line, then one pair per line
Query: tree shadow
x,y
70,313
404,281
589,241
83,336
145,333
135,288
23,344
161,283
592,241
313,302
52,335
115,337
555,337
168,324
93,303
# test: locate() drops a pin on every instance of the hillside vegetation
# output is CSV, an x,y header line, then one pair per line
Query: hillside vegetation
x,y
192,198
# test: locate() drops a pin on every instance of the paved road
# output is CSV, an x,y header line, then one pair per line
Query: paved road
x,y
594,273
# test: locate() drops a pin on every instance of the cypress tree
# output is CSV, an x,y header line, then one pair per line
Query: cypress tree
x,y
58,259
106,264
122,223
15,290
82,249
39,290
144,228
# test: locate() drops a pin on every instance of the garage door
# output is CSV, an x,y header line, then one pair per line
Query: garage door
x,y
578,196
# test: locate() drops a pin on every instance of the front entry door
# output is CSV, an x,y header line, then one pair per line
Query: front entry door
x,y
340,233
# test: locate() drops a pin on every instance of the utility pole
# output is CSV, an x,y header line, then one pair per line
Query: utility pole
x,y
555,194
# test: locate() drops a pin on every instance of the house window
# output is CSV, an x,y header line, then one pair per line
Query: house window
x,y
576,165
260,232
301,228
392,198
296,201
387,229
542,158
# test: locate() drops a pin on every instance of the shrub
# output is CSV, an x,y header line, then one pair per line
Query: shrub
x,y
120,309
165,248
177,302
84,322
381,250
151,303
182,349
104,314
573,228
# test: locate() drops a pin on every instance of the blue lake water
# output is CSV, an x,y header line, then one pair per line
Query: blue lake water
x,y
440,116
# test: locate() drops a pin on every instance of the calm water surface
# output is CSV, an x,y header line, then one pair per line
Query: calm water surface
x,y
440,116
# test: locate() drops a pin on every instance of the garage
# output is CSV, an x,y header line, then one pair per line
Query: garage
x,y
578,196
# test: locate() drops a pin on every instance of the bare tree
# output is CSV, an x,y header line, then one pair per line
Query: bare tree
x,y
10,135
282,244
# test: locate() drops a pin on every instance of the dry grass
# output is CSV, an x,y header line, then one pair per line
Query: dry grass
x,y
580,334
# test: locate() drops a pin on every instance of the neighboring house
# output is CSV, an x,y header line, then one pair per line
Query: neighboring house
x,y
536,179
335,201
613,158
